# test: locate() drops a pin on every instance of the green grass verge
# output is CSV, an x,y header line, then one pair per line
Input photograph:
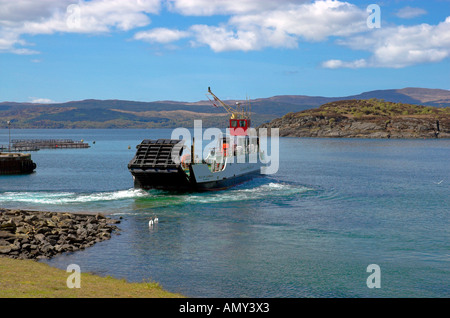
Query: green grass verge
x,y
31,279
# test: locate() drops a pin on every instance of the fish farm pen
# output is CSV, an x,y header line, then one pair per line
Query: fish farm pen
x,y
36,144
7,148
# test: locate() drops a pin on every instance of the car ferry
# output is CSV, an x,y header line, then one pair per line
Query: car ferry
x,y
164,164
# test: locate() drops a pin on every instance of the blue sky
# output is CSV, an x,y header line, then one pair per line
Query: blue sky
x,y
148,50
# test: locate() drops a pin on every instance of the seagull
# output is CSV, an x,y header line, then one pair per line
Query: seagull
x,y
438,182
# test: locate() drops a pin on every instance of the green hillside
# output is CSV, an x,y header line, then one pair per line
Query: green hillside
x,y
92,113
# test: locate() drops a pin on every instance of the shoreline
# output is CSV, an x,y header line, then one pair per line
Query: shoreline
x,y
363,128
26,234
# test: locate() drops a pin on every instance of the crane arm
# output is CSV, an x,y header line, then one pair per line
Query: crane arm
x,y
228,108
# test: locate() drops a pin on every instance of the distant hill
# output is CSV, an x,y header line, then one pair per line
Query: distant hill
x,y
410,95
92,113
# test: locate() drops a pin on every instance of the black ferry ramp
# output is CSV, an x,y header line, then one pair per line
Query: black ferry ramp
x,y
153,166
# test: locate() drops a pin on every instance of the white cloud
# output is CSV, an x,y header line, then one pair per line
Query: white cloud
x,y
313,21
214,7
35,100
14,13
259,24
399,46
342,64
283,27
102,15
252,25
161,35
95,16
255,25
18,18
409,12
221,39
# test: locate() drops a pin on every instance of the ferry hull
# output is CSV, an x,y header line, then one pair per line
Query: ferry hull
x,y
163,180
231,175
224,183
153,168
178,180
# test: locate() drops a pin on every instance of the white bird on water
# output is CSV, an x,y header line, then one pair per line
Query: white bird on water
x,y
439,182
152,221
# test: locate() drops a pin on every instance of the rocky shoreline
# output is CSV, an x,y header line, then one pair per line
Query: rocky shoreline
x,y
37,235
343,127
365,119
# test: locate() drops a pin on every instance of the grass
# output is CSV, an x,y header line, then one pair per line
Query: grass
x,y
31,279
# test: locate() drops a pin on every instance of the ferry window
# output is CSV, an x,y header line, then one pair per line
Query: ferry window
x,y
242,123
234,123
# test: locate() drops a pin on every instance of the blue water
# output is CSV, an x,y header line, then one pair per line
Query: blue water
x,y
310,230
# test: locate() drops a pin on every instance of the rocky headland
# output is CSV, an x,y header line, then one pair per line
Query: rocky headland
x,y
372,118
36,235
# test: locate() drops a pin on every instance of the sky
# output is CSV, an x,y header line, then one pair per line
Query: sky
x,y
150,50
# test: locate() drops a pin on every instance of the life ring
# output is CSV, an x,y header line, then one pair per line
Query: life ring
x,y
185,161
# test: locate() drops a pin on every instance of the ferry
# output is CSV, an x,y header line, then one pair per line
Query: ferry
x,y
164,164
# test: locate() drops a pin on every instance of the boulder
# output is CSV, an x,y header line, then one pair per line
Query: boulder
x,y
5,249
8,226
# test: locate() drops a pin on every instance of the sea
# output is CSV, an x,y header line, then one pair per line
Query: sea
x,y
351,218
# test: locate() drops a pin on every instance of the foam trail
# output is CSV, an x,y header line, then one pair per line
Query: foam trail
x,y
43,197
155,198
265,191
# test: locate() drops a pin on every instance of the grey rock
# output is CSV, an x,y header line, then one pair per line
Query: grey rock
x,y
36,235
